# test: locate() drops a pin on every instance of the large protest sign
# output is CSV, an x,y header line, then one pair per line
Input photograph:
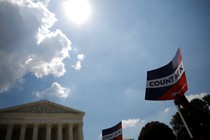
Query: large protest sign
x,y
113,133
168,81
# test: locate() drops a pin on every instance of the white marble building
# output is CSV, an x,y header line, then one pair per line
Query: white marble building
x,y
42,120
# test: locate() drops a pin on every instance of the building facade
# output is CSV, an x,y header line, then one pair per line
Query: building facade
x,y
42,120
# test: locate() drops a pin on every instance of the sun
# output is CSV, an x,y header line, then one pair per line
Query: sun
x,y
77,11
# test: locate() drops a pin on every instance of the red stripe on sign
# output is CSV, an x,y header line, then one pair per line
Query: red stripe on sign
x,y
177,89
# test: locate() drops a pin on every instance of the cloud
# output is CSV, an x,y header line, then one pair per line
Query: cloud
x,y
55,47
55,91
166,110
27,44
80,57
45,2
198,96
131,123
132,127
78,65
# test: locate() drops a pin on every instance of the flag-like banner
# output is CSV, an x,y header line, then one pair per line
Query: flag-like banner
x,y
168,81
113,133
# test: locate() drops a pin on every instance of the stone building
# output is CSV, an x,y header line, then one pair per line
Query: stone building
x,y
42,120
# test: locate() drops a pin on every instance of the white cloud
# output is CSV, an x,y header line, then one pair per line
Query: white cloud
x,y
77,66
166,110
132,127
55,91
50,61
131,123
80,58
194,96
45,2
27,45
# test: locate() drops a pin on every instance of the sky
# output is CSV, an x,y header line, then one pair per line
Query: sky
x,y
99,65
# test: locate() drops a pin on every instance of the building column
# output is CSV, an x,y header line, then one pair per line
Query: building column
x,y
60,132
70,132
9,132
22,132
48,135
80,132
35,132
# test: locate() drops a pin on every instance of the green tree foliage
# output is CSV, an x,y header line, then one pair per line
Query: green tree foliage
x,y
156,131
198,119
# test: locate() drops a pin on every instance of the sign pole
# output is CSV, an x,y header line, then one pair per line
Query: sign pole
x,y
185,124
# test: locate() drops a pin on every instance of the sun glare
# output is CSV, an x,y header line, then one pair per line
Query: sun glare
x,y
77,11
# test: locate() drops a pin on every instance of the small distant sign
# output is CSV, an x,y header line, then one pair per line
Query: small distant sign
x,y
113,133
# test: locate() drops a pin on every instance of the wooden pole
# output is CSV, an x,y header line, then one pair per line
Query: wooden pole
x,y
183,120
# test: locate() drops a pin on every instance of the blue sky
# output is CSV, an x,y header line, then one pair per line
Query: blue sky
x,y
100,66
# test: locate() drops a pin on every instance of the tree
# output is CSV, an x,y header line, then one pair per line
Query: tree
x,y
207,99
197,118
156,131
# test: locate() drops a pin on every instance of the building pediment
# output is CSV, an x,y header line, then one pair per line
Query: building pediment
x,y
43,106
41,120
